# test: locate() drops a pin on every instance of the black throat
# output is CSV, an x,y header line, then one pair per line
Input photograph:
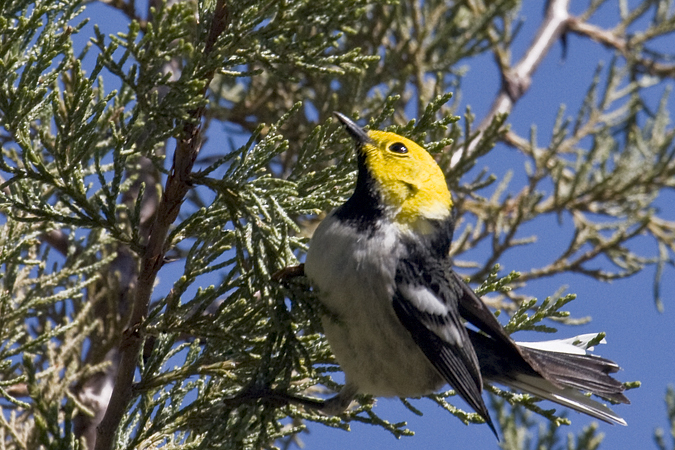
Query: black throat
x,y
364,208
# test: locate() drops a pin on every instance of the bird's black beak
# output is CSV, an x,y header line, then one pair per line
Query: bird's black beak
x,y
358,133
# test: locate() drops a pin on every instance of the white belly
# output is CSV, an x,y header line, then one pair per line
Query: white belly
x,y
355,281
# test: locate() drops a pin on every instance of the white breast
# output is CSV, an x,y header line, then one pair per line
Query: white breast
x,y
355,280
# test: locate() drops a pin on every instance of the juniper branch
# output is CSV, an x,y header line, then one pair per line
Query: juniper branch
x,y
177,185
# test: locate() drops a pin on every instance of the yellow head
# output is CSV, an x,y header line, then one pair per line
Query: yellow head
x,y
408,180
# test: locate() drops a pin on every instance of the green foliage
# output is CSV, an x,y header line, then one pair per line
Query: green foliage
x,y
84,169
42,350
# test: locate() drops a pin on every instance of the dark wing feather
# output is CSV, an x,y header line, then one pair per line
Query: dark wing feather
x,y
472,308
426,304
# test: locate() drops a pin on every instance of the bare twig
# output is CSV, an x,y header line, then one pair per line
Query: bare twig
x,y
177,185
612,40
516,81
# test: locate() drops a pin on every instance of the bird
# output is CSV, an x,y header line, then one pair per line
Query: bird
x,y
401,322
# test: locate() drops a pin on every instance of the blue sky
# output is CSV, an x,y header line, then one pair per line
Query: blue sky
x,y
639,338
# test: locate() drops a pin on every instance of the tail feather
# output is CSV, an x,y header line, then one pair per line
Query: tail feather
x,y
585,372
568,396
555,371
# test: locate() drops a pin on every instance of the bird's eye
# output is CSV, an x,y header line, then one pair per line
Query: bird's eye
x,y
398,148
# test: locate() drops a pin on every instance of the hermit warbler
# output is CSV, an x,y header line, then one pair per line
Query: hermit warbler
x,y
396,313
